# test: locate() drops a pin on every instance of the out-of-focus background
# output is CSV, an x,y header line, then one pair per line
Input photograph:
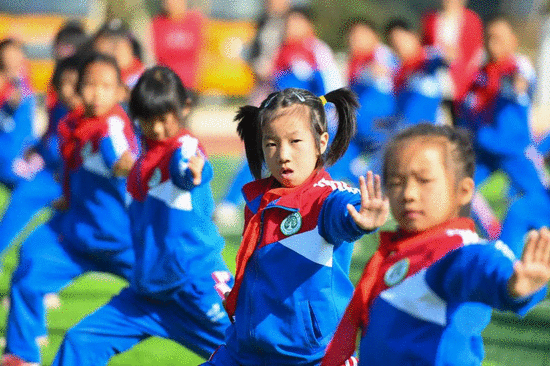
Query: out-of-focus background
x,y
224,81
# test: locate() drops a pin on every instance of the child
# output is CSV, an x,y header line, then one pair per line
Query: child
x,y
17,108
178,39
497,111
458,33
90,231
303,60
426,295
178,249
422,81
114,38
292,267
371,66
42,161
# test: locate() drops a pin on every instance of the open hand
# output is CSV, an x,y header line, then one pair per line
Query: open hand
x,y
533,271
375,207
195,165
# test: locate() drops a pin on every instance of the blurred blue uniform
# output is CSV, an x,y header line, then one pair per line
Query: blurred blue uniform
x,y
179,267
377,105
40,187
92,235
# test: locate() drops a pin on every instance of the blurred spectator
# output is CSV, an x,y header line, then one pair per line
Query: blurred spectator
x,y
114,39
543,87
422,81
270,29
458,33
178,37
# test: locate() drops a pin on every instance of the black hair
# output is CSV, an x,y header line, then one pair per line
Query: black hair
x,y
499,17
96,57
303,10
114,28
5,43
158,91
251,121
461,149
73,33
68,63
352,22
397,23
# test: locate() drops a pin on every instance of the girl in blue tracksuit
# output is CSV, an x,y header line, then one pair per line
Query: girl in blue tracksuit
x,y
426,294
292,283
42,160
179,273
90,230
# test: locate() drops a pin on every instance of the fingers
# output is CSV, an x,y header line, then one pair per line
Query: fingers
x,y
353,212
370,186
543,246
196,163
530,245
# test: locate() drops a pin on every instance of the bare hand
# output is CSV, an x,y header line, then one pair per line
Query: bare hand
x,y
195,165
60,204
375,207
124,164
533,271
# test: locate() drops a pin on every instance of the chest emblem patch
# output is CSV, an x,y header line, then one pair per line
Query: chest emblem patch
x,y
397,272
155,178
291,224
86,150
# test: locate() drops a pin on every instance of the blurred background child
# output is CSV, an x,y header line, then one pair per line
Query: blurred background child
x,y
90,231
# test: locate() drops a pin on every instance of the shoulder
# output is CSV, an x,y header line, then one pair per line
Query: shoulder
x,y
525,67
471,18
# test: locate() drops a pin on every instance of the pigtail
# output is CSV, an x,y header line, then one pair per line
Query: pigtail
x,y
346,105
248,129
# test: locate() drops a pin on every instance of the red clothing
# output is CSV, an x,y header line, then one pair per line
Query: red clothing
x,y
408,68
177,44
357,64
291,52
420,250
132,73
470,48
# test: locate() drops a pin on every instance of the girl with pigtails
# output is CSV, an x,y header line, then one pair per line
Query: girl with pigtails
x,y
292,281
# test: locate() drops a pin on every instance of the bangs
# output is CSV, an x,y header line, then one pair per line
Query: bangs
x,y
152,99
295,109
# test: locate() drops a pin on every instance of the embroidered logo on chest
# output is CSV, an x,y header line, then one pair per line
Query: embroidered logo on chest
x,y
86,150
291,224
397,272
155,178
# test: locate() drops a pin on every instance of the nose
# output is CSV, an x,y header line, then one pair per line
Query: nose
x,y
284,153
409,190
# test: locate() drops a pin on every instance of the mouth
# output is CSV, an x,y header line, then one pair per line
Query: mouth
x,y
286,173
412,214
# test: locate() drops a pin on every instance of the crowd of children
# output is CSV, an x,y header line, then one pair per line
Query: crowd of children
x,y
129,188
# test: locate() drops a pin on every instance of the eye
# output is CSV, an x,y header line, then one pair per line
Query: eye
x,y
296,141
269,144
424,180
394,182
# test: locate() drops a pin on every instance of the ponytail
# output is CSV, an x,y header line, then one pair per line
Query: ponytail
x,y
346,105
248,129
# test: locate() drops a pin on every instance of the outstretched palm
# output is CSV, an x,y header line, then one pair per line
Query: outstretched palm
x,y
533,271
375,207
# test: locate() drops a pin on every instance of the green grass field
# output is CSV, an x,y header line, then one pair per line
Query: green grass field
x,y
509,341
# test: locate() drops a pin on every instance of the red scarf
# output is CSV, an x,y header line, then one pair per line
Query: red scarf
x,y
487,84
132,73
290,52
422,249
157,154
408,68
357,64
251,236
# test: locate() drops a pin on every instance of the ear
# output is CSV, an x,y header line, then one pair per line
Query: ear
x,y
323,142
466,189
186,108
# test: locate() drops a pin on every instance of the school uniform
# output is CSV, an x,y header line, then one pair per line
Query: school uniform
x,y
292,282
420,84
132,73
499,120
179,272
39,186
377,104
92,235
425,298
307,64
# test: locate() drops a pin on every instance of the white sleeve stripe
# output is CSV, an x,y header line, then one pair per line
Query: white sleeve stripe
x,y
116,134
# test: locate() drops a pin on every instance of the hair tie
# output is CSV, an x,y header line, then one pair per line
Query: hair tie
x,y
323,99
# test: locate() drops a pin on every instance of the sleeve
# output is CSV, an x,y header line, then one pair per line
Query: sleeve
x,y
180,174
116,142
479,273
335,223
